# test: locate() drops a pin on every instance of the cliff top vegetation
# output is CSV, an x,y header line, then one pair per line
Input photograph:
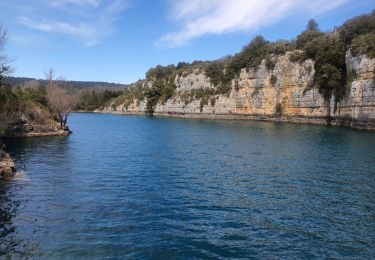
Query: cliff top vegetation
x,y
327,49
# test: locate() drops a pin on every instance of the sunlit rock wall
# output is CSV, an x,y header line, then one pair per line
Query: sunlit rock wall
x,y
290,96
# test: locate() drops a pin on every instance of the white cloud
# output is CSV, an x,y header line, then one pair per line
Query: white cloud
x,y
203,17
82,30
89,21
74,2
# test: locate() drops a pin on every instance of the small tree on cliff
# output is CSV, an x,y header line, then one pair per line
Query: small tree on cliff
x,y
312,31
312,25
60,101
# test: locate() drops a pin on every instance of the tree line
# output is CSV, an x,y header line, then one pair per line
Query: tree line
x,y
15,81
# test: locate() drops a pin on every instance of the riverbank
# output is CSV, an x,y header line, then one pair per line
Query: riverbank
x,y
7,166
40,134
337,122
36,130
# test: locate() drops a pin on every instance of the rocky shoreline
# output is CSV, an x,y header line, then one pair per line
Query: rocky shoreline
x,y
26,129
40,134
7,166
337,122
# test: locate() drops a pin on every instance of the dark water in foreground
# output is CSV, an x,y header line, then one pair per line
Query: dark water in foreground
x,y
140,187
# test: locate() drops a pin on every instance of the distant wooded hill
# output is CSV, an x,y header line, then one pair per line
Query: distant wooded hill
x,y
20,81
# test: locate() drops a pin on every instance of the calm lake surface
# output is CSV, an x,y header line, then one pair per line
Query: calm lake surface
x,y
142,187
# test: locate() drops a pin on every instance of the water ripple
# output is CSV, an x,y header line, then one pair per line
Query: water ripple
x,y
158,188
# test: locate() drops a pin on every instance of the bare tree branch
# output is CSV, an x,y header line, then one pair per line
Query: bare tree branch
x,y
60,101
5,68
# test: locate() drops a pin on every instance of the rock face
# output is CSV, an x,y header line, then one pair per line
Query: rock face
x,y
194,80
26,129
284,93
7,167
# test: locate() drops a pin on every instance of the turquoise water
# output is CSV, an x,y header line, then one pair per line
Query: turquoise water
x,y
141,187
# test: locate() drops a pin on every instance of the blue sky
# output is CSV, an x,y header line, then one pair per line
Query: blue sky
x,y
119,40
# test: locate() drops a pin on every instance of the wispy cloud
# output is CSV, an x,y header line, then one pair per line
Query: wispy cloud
x,y
75,2
203,17
89,21
82,30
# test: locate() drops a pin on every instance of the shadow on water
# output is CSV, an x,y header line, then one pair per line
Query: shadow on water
x,y
12,247
24,151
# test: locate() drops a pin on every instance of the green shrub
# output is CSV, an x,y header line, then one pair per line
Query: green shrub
x,y
270,62
364,44
203,102
197,94
312,31
186,97
328,52
167,93
95,98
360,25
280,47
297,56
153,94
215,71
163,87
250,57
329,81
182,65
306,37
136,92
202,93
223,89
160,72
18,103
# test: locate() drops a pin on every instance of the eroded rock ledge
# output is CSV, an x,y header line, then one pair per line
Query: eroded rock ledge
x,y
7,166
34,130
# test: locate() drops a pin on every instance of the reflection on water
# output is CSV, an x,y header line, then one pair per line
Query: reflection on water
x,y
141,187
10,245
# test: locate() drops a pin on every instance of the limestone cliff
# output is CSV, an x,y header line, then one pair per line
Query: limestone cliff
x,y
284,93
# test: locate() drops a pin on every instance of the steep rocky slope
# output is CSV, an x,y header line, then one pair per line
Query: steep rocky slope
x,y
285,93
